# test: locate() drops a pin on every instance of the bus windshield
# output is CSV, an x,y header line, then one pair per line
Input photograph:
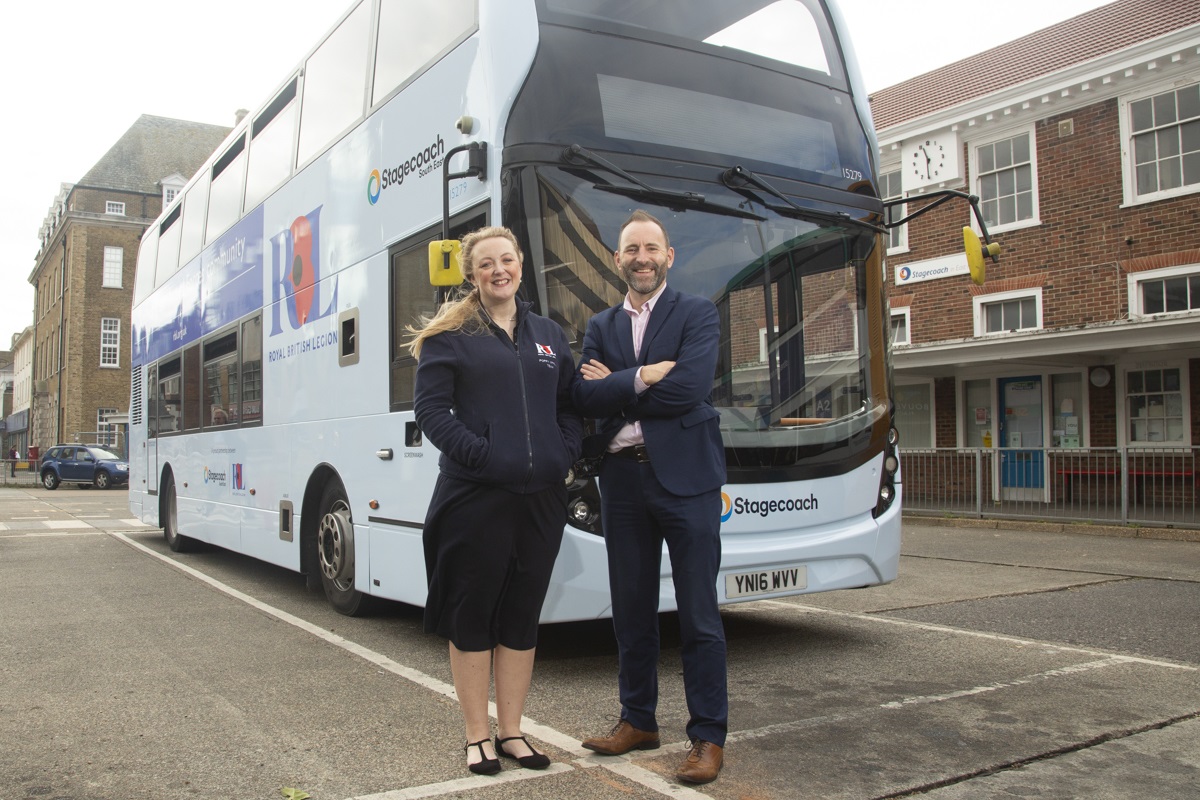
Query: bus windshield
x,y
792,294
793,32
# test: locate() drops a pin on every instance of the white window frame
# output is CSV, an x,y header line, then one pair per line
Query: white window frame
x,y
114,207
169,195
900,210
979,310
906,314
1123,369
110,343
1134,280
105,431
114,267
976,187
1128,170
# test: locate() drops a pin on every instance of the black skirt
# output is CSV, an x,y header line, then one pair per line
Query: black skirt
x,y
488,556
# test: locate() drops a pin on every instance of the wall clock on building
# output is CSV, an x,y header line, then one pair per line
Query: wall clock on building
x,y
930,160
1100,377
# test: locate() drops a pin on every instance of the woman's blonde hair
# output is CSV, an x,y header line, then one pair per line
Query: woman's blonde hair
x,y
464,312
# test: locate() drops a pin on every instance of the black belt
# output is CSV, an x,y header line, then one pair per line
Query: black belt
x,y
635,452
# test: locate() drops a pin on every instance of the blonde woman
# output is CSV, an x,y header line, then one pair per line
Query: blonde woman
x,y
491,376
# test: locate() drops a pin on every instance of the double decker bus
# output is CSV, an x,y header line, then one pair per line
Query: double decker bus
x,y
271,392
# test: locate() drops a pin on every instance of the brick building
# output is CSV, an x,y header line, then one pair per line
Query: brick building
x,y
83,277
1082,141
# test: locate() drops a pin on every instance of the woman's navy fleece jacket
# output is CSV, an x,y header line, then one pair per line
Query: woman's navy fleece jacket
x,y
501,414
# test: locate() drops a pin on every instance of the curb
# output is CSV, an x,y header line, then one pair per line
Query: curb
x,y
1124,532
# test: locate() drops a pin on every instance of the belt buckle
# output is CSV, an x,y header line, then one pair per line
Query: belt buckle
x,y
640,455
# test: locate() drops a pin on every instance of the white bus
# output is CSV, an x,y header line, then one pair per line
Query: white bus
x,y
271,403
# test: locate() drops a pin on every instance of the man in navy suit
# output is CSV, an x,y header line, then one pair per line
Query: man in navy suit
x,y
647,372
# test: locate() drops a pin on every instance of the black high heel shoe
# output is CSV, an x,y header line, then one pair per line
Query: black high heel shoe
x,y
535,761
485,766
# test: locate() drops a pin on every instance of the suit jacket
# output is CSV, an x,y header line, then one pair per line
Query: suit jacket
x,y
679,423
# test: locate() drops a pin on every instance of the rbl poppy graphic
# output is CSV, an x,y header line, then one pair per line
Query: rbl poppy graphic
x,y
297,289
302,276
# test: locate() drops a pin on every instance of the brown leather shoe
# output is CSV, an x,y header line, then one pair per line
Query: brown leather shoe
x,y
702,764
621,739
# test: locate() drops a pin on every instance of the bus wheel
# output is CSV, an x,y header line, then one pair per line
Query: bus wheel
x,y
169,516
335,548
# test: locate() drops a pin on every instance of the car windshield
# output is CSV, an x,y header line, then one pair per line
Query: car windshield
x,y
104,455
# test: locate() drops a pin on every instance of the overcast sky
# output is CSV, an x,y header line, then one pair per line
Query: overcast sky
x,y
78,74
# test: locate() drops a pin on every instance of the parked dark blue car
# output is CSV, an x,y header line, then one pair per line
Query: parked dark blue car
x,y
83,464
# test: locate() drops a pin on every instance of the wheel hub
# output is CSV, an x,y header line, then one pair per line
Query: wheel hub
x,y
335,544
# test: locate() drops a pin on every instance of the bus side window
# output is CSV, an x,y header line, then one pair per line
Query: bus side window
x,y
335,78
169,390
225,192
406,49
252,384
191,388
220,392
271,140
151,403
195,203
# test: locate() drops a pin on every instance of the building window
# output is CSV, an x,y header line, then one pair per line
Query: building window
x,y
110,342
113,207
1154,405
114,266
1006,180
1067,403
1008,312
900,318
889,186
106,432
914,414
1164,143
1165,291
169,193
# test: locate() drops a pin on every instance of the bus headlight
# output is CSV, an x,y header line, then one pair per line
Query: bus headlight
x,y
579,511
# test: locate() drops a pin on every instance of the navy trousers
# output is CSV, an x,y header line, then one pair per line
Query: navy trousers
x,y
639,515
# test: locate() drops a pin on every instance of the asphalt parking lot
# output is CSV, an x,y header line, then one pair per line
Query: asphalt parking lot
x,y
1002,663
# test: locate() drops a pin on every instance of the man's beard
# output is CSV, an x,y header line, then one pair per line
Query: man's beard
x,y
644,284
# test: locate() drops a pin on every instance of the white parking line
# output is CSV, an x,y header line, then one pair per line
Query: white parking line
x,y
620,765
999,637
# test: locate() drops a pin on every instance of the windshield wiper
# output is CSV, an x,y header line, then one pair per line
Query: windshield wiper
x,y
737,177
640,189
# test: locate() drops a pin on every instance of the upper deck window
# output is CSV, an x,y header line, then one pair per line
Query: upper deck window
x,y
335,78
405,50
793,32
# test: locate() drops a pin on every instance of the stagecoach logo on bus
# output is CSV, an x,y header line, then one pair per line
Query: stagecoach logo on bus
x,y
218,478
762,508
296,285
422,163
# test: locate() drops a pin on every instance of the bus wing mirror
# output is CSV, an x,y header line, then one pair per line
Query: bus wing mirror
x,y
445,268
976,251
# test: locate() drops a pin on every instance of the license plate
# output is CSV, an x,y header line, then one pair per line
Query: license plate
x,y
769,581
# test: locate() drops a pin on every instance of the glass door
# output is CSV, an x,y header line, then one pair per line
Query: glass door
x,y
1022,472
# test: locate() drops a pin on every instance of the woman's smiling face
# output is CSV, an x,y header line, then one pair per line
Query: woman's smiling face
x,y
496,270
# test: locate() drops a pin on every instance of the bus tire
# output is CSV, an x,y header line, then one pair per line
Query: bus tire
x,y
168,513
335,552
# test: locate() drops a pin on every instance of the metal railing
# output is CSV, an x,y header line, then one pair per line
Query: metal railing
x,y
21,472
1121,486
